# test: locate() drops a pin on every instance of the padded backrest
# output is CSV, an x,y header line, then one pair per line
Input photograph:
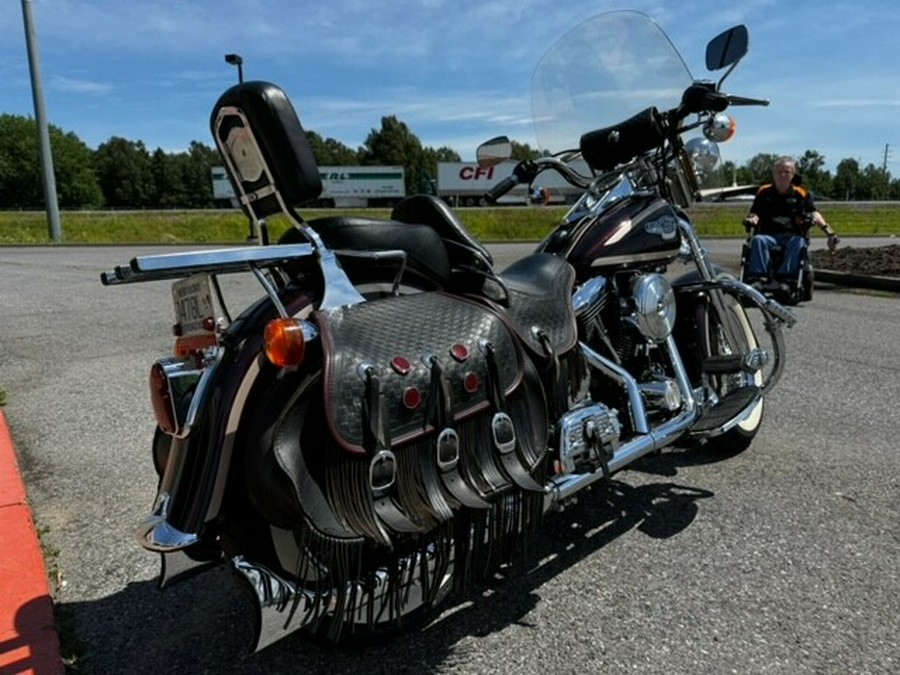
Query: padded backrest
x,y
265,148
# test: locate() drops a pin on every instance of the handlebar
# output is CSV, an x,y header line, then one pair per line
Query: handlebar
x,y
501,188
526,171
742,100
701,97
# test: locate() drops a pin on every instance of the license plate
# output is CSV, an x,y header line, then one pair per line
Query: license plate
x,y
194,305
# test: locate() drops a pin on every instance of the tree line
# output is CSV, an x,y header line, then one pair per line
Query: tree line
x,y
850,181
125,174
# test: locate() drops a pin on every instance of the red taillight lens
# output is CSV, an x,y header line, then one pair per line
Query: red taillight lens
x,y
161,397
285,343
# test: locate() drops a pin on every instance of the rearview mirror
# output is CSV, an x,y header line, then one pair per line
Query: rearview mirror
x,y
727,48
494,151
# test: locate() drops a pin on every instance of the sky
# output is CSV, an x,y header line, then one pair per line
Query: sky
x,y
457,72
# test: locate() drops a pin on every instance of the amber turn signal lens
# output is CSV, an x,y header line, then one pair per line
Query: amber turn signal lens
x,y
285,344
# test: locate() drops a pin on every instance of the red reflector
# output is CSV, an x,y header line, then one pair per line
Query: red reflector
x,y
161,399
185,346
401,365
412,398
459,352
471,382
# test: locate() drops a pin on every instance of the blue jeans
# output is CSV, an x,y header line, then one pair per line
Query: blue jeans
x,y
760,261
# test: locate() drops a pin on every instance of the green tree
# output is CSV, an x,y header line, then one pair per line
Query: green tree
x,y
330,152
894,193
817,179
876,183
432,156
523,151
125,171
758,170
396,144
847,180
168,180
21,179
199,161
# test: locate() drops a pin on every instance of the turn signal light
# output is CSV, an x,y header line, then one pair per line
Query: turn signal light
x,y
285,343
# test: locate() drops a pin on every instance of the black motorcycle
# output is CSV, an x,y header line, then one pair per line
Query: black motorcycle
x,y
394,417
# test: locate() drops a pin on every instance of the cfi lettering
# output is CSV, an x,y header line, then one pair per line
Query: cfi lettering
x,y
476,172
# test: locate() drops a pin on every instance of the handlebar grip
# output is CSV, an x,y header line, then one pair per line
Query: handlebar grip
x,y
501,188
741,100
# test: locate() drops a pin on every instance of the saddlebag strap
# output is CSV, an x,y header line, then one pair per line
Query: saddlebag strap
x,y
553,366
447,444
383,463
503,431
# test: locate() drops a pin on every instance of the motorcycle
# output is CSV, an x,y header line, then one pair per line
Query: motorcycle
x,y
393,418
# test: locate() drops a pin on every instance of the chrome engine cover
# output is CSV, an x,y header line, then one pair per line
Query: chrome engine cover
x,y
653,306
588,437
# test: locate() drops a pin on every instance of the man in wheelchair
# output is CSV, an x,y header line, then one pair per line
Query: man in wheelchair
x,y
779,221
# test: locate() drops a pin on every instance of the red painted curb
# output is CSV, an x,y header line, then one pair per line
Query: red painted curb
x,y
28,639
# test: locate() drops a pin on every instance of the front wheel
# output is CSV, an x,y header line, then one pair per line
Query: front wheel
x,y
740,436
714,357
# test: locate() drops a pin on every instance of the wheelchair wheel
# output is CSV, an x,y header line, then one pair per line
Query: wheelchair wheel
x,y
806,284
745,260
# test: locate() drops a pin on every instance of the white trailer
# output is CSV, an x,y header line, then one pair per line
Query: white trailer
x,y
466,183
342,186
361,186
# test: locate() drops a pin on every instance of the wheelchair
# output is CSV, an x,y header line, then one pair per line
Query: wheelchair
x,y
788,292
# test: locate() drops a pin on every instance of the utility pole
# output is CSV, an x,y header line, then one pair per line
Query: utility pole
x,y
37,91
887,152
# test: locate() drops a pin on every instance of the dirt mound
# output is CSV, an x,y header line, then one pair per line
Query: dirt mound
x,y
882,261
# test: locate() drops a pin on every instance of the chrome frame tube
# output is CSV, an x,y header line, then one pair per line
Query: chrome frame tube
x,y
559,488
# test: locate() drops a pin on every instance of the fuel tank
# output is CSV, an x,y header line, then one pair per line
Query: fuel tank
x,y
635,232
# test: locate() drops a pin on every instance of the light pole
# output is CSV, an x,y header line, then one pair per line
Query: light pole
x,y
37,91
236,60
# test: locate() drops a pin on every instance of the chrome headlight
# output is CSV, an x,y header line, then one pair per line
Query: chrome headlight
x,y
654,306
704,154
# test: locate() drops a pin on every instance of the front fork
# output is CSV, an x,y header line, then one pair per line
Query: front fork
x,y
719,286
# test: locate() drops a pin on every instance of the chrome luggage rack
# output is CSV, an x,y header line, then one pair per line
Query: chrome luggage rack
x,y
219,261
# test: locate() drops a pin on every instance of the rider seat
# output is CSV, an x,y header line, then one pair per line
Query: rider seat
x,y
470,262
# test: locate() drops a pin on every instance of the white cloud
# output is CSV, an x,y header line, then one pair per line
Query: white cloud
x,y
858,103
72,86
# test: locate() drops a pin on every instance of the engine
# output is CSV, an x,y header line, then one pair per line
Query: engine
x,y
626,317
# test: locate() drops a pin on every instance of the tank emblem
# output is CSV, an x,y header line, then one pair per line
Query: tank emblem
x,y
665,227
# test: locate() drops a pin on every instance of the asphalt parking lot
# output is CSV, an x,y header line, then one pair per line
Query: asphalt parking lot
x,y
779,559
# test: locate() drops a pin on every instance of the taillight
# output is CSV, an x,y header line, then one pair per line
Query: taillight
x,y
285,342
161,397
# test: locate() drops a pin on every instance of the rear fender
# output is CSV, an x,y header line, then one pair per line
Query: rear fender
x,y
196,471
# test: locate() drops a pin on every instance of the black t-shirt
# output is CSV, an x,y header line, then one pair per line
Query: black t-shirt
x,y
782,213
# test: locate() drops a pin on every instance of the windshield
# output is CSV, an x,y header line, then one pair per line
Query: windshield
x,y
602,72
